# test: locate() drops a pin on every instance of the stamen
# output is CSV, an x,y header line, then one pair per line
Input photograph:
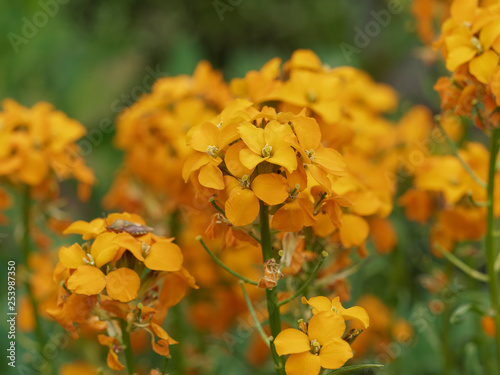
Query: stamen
x,y
266,151
212,151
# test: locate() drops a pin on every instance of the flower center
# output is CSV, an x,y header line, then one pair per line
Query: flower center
x,y
476,44
311,96
310,154
315,347
212,151
245,182
89,260
266,151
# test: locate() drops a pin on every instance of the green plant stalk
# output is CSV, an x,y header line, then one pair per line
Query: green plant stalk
x,y
271,295
445,330
220,263
127,350
258,326
26,247
490,238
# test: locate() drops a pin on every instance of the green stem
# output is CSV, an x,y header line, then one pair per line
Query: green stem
x,y
466,166
26,247
164,371
445,331
305,284
258,326
271,295
127,348
220,263
490,238
461,265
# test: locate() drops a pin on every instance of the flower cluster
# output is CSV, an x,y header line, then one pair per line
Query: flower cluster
x,y
38,149
260,155
470,42
123,271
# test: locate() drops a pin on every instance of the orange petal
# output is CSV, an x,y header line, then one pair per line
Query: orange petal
x,y
253,138
458,56
34,169
483,66
87,230
463,10
87,280
308,132
103,248
284,156
164,256
122,284
193,163
271,188
242,207
233,162
303,364
335,353
210,176
329,159
161,333
250,159
325,326
357,313
113,362
72,257
291,341
288,218
173,290
354,230
318,303
130,243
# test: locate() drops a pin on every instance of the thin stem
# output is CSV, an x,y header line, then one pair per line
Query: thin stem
x,y
258,326
490,238
26,247
213,202
164,371
445,330
271,295
464,267
127,350
305,284
219,262
466,166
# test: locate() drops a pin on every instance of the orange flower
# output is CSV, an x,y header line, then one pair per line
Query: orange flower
x,y
320,347
210,140
324,304
37,148
271,144
110,242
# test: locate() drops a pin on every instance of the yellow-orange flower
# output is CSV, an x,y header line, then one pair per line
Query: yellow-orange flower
x,y
320,347
324,304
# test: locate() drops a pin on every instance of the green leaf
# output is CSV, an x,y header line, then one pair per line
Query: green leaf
x,y
347,369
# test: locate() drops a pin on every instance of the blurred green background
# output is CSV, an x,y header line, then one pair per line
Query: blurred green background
x,y
89,58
